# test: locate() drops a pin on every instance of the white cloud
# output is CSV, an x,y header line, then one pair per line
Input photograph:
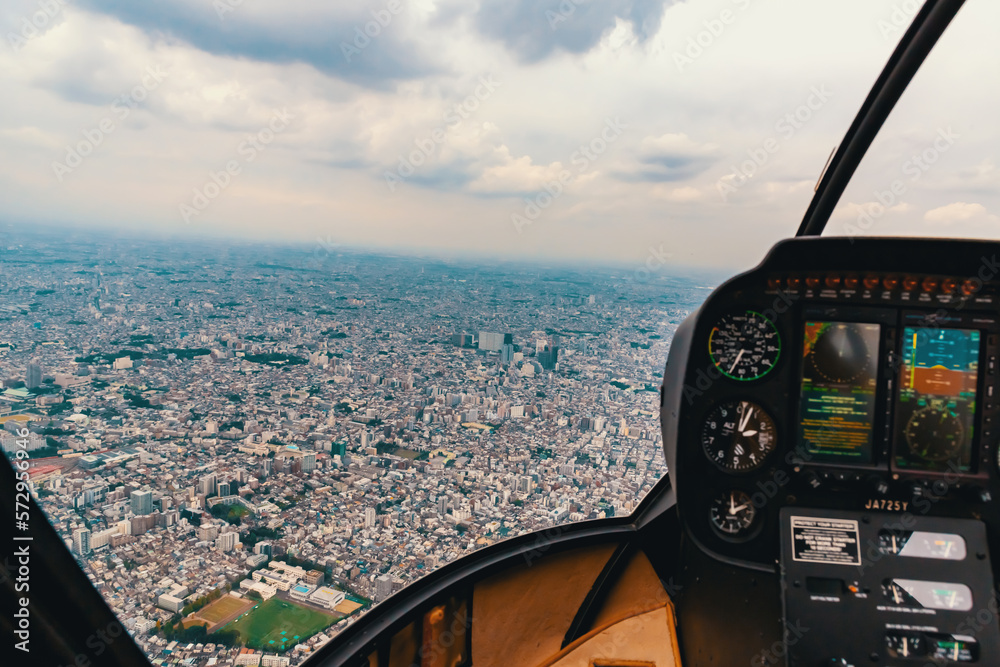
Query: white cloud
x,y
325,173
960,212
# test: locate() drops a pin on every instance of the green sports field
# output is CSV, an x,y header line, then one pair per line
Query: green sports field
x,y
276,625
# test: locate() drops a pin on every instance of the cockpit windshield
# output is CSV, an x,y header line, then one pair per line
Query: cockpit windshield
x,y
302,301
932,171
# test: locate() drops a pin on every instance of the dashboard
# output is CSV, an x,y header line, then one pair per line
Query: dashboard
x,y
831,416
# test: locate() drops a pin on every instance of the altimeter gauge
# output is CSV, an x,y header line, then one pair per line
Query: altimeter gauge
x,y
738,435
744,346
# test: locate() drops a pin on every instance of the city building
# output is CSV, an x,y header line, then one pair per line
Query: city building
x,y
142,502
81,541
490,342
383,587
327,597
33,376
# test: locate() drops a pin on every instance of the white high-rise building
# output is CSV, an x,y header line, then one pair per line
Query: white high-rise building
x,y
206,484
226,541
81,541
383,587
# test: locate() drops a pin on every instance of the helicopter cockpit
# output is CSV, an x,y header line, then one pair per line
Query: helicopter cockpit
x,y
831,429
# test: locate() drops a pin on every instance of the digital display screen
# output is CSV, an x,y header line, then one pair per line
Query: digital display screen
x,y
936,409
839,380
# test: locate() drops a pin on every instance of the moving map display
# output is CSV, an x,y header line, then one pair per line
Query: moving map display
x,y
837,405
937,399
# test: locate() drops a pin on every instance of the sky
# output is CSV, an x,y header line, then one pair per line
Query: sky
x,y
650,133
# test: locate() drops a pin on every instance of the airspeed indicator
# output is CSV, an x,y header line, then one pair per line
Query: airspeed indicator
x,y
744,346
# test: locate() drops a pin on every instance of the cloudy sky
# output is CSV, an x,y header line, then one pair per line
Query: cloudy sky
x,y
608,130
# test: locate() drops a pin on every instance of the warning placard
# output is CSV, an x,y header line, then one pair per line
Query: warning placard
x,y
825,541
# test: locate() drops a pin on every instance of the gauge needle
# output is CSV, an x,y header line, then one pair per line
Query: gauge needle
x,y
951,600
749,434
738,509
906,648
747,411
738,357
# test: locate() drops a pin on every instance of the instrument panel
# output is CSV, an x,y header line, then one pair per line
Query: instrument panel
x,y
854,374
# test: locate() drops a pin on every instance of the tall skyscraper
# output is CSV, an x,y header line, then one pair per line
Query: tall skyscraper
x,y
507,353
548,357
142,502
370,517
33,376
81,541
223,488
308,461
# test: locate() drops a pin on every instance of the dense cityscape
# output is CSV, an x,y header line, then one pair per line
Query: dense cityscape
x,y
217,428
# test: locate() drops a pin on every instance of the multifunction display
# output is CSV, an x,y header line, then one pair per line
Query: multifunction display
x,y
839,381
936,408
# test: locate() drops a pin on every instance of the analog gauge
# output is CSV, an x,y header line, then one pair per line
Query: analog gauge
x,y
934,433
897,595
906,644
744,346
892,542
927,594
955,649
841,353
732,513
922,544
738,435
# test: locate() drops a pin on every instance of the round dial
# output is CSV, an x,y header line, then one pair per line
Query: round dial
x,y
738,435
732,513
934,433
744,346
841,353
